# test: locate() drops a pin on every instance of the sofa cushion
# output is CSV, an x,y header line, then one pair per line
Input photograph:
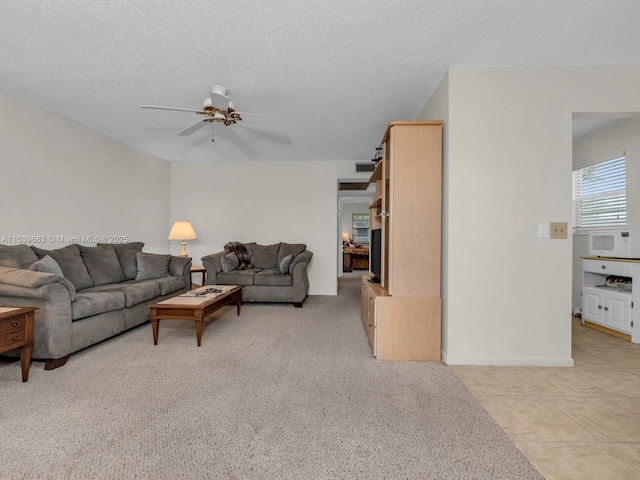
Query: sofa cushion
x,y
294,249
71,264
126,253
48,265
229,262
17,256
87,304
102,264
272,277
170,284
152,265
134,291
265,256
286,263
237,277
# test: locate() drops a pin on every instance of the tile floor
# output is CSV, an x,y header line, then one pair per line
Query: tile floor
x,y
580,422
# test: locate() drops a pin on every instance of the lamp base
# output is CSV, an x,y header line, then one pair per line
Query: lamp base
x,y
183,253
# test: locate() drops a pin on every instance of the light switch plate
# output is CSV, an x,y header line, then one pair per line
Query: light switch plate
x,y
543,230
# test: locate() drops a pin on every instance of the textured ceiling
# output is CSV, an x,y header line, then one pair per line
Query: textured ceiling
x,y
337,71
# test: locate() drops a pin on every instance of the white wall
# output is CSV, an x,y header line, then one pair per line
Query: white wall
x,y
60,178
508,168
606,144
292,202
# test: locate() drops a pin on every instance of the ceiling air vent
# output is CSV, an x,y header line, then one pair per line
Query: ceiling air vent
x,y
365,167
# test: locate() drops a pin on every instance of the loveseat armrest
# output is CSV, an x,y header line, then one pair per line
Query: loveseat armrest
x,y
181,267
304,256
213,265
298,270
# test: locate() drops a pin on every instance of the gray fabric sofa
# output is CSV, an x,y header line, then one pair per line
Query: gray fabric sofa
x,y
86,294
275,273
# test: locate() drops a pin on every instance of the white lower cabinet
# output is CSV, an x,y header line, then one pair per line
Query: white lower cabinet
x,y
605,305
593,305
617,311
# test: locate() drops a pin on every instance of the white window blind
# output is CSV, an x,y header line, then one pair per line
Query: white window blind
x,y
599,195
360,227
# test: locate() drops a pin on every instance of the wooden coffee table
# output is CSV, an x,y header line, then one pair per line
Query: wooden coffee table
x,y
198,308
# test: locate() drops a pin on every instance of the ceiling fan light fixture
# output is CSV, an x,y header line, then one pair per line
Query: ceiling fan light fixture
x,y
219,89
218,108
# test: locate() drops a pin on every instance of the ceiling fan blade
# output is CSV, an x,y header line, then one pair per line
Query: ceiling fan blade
x,y
193,127
172,108
244,134
219,101
259,115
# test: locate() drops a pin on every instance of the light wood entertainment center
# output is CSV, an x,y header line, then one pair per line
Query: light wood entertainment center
x,y
402,314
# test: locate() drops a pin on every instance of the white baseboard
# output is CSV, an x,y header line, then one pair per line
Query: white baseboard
x,y
507,361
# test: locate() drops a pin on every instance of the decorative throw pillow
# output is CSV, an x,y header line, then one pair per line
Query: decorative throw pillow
x,y
294,249
152,265
286,263
48,265
71,264
229,262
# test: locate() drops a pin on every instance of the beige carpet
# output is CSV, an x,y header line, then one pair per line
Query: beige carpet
x,y
277,393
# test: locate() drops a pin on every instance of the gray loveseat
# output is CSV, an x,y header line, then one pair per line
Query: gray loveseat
x,y
275,273
86,294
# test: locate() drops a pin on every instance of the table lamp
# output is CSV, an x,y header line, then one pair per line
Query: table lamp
x,y
345,237
182,231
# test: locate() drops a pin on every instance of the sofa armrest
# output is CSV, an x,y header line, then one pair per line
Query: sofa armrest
x,y
181,267
31,280
50,294
213,264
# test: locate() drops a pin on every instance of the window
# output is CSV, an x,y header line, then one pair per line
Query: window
x,y
360,225
599,195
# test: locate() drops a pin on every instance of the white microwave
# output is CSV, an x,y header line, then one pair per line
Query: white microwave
x,y
614,244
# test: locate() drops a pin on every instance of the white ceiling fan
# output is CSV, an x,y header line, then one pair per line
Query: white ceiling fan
x,y
218,107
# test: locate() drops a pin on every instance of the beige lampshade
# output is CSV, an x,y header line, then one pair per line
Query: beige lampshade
x,y
182,231
345,236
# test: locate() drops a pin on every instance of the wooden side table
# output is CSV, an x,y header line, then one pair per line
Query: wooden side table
x,y
16,331
346,261
201,270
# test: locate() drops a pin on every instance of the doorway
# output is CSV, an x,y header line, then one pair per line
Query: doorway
x,y
350,203
598,137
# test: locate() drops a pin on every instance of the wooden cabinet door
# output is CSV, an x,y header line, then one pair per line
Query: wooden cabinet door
x,y
364,300
371,321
